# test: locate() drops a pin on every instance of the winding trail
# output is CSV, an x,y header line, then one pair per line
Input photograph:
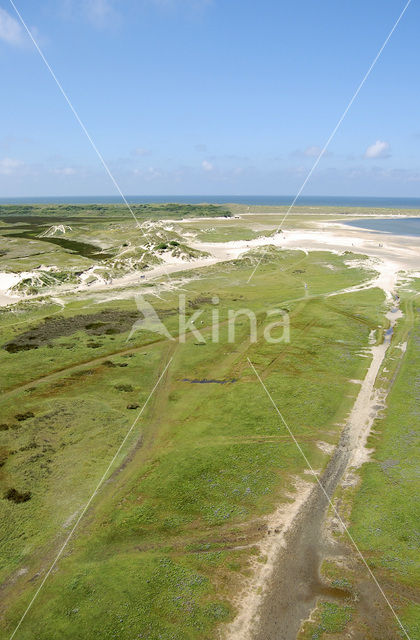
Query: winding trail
x,y
282,593
295,585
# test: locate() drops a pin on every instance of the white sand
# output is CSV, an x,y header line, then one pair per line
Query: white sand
x,y
393,254
391,260
251,597
8,280
332,236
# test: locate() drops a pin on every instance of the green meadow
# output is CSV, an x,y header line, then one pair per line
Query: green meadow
x,y
382,509
386,508
169,537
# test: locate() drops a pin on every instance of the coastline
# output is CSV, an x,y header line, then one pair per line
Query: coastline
x,y
393,259
322,235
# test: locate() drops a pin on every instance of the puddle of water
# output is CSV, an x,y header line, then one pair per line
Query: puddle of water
x,y
207,381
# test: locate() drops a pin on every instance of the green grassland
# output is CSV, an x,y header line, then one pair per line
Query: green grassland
x,y
383,508
61,247
104,236
319,211
226,231
141,211
169,538
330,619
386,508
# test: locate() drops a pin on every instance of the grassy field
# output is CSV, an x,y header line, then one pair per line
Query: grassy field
x,y
73,244
110,211
170,536
382,509
386,509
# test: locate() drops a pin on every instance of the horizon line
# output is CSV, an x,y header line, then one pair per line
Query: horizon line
x,y
208,195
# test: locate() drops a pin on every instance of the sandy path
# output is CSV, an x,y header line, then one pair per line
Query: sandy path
x,y
398,252
283,591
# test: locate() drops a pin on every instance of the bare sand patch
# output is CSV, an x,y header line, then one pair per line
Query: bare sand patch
x,y
251,598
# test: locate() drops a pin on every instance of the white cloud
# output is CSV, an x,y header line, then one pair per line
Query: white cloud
x,y
207,166
141,151
10,29
99,12
313,151
9,166
107,13
380,149
149,175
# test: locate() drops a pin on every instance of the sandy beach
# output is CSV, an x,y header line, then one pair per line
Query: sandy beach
x,y
328,236
396,253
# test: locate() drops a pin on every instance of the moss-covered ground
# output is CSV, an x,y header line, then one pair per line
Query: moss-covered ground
x,y
170,535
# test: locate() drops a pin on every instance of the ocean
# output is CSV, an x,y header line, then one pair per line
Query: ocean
x,y
403,227
307,201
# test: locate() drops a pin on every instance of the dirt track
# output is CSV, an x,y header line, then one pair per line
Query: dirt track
x,y
295,585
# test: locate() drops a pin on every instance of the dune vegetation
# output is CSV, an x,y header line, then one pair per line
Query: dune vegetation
x,y
173,534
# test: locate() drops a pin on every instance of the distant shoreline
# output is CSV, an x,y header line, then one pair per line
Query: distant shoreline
x,y
404,226
249,200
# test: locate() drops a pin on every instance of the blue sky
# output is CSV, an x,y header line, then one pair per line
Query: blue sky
x,y
209,97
